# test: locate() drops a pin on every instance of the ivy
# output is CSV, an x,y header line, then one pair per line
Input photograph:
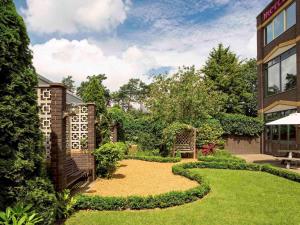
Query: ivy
x,y
241,125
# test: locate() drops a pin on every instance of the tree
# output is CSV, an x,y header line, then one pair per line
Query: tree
x,y
69,83
135,91
183,97
21,152
224,72
94,91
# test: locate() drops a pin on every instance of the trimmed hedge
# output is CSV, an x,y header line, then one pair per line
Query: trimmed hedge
x,y
154,158
179,197
241,125
166,200
220,159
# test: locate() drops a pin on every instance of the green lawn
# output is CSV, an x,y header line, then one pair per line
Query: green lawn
x,y
237,197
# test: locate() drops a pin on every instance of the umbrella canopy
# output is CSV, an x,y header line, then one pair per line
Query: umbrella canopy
x,y
293,119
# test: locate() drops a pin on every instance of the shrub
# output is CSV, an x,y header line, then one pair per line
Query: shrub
x,y
66,204
155,158
107,157
21,152
19,215
39,193
241,125
209,132
221,156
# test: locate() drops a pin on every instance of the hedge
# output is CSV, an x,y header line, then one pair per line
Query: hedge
x,y
179,197
241,125
154,158
220,159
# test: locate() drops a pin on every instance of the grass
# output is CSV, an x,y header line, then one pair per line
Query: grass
x,y
237,197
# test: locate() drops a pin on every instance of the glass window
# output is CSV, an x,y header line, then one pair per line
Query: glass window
x,y
289,72
273,79
279,24
285,20
291,16
281,73
269,33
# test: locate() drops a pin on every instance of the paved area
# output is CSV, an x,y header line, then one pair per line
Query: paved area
x,y
135,177
261,158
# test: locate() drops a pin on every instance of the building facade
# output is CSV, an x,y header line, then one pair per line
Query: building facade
x,y
278,56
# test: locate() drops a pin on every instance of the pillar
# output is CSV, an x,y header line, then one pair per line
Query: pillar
x,y
58,135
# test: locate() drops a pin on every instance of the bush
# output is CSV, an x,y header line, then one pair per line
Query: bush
x,y
209,132
66,204
39,193
20,214
107,157
221,156
241,125
154,158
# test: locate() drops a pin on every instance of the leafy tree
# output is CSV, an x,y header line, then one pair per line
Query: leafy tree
x,y
21,152
183,97
224,72
135,91
69,83
94,91
249,96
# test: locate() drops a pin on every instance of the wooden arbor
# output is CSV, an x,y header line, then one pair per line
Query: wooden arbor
x,y
185,142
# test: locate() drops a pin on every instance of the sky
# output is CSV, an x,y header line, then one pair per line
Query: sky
x,y
134,38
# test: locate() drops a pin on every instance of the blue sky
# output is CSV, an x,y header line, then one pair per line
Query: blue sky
x,y
134,38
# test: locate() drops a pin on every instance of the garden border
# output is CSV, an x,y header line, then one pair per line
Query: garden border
x,y
179,197
154,159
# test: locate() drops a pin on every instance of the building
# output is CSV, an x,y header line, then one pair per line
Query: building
x,y
278,51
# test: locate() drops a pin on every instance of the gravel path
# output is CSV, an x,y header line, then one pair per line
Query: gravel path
x,y
141,178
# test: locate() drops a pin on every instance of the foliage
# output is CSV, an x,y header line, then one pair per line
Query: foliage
x,y
20,215
135,91
183,97
66,204
221,156
209,132
39,193
224,72
236,124
93,91
171,131
141,129
21,151
154,158
107,157
69,83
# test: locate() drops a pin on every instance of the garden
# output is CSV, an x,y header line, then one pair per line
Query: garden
x,y
167,165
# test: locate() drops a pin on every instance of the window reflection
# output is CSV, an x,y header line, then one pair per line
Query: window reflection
x,y
279,24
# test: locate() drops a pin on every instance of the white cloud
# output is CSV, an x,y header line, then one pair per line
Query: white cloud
x,y
71,16
58,58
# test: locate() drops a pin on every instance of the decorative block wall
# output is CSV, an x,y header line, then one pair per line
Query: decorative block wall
x,y
44,103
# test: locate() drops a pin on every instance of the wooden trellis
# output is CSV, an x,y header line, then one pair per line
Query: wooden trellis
x,y
185,142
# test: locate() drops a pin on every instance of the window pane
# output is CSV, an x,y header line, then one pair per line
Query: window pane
x,y
284,132
273,79
269,33
279,24
291,16
288,72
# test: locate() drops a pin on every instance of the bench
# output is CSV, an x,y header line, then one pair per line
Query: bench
x,y
288,159
73,174
183,148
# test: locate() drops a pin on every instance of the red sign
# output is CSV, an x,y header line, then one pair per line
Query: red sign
x,y
273,9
